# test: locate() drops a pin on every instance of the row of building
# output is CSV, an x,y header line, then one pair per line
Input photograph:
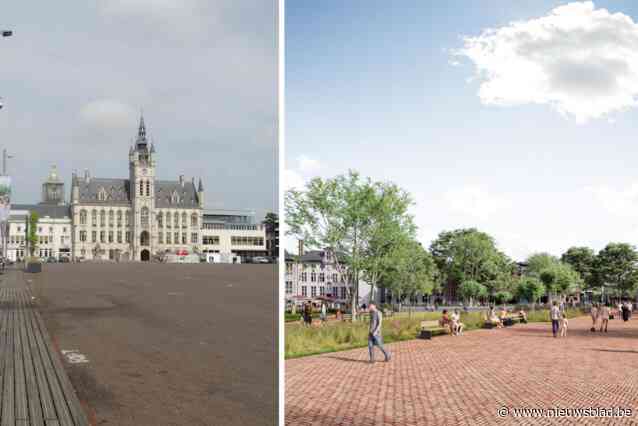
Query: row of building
x,y
139,218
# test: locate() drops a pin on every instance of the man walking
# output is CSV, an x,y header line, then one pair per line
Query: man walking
x,y
374,336
603,313
555,316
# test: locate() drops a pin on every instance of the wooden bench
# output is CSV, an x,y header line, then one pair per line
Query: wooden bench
x,y
361,316
428,328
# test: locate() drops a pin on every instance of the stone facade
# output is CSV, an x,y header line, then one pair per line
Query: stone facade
x,y
135,218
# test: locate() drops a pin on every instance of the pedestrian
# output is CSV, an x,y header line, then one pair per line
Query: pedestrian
x,y
323,313
555,316
625,311
594,316
563,325
308,314
374,336
603,313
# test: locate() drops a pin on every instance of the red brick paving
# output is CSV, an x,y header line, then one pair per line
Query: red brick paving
x,y
464,380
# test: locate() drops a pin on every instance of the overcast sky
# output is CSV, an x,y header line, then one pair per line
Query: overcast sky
x,y
517,118
75,76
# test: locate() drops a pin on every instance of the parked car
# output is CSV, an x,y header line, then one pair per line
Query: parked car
x,y
51,259
64,259
261,259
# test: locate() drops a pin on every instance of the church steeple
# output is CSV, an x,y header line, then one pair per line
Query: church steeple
x,y
141,142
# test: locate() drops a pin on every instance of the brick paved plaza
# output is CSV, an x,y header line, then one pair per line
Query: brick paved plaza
x,y
465,380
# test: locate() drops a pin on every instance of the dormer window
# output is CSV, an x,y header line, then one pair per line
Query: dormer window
x,y
101,195
174,198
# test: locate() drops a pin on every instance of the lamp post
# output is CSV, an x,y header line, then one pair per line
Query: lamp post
x,y
5,227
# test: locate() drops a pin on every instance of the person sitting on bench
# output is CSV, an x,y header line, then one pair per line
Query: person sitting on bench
x,y
494,319
457,325
445,321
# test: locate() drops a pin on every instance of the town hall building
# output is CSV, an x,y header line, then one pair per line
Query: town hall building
x,y
138,217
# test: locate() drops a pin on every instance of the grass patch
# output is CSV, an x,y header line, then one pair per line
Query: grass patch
x,y
339,336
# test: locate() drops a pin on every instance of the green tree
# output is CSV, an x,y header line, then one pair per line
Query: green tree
x,y
583,260
470,255
530,289
342,216
616,268
33,233
412,272
559,278
471,290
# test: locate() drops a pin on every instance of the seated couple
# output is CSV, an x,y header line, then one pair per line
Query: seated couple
x,y
452,322
498,319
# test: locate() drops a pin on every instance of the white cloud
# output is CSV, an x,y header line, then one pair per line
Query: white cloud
x,y
580,60
110,114
475,202
296,175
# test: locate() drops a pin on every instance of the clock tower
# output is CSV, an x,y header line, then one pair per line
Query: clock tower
x,y
142,193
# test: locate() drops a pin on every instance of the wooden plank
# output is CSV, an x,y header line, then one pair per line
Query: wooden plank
x,y
33,394
4,318
46,399
64,416
77,412
52,423
8,402
22,407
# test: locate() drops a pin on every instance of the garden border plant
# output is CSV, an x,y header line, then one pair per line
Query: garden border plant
x,y
301,341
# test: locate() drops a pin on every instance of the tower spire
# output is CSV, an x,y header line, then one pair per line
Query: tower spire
x,y
141,131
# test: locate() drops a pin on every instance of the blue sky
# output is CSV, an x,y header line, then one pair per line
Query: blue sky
x,y
535,149
75,76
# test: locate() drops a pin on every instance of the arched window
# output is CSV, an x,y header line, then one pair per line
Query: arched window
x,y
148,188
102,218
144,217
176,220
119,218
101,194
184,220
160,219
141,187
83,217
194,220
168,219
128,218
94,218
111,218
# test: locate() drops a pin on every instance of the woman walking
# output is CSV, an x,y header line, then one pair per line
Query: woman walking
x,y
594,316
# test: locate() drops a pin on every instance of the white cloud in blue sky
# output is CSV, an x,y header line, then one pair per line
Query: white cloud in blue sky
x,y
580,60
371,87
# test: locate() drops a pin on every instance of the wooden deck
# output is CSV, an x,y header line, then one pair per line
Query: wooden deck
x,y
35,388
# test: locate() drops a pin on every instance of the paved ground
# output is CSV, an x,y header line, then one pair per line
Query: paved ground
x,y
465,380
34,386
166,344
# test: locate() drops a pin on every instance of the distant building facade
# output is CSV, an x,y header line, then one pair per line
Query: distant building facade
x,y
233,232
314,276
136,219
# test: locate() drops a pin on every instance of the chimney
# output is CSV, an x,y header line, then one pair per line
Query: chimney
x,y
87,176
181,180
301,253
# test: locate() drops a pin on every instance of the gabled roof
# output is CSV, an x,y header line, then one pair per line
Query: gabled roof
x,y
187,194
117,190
